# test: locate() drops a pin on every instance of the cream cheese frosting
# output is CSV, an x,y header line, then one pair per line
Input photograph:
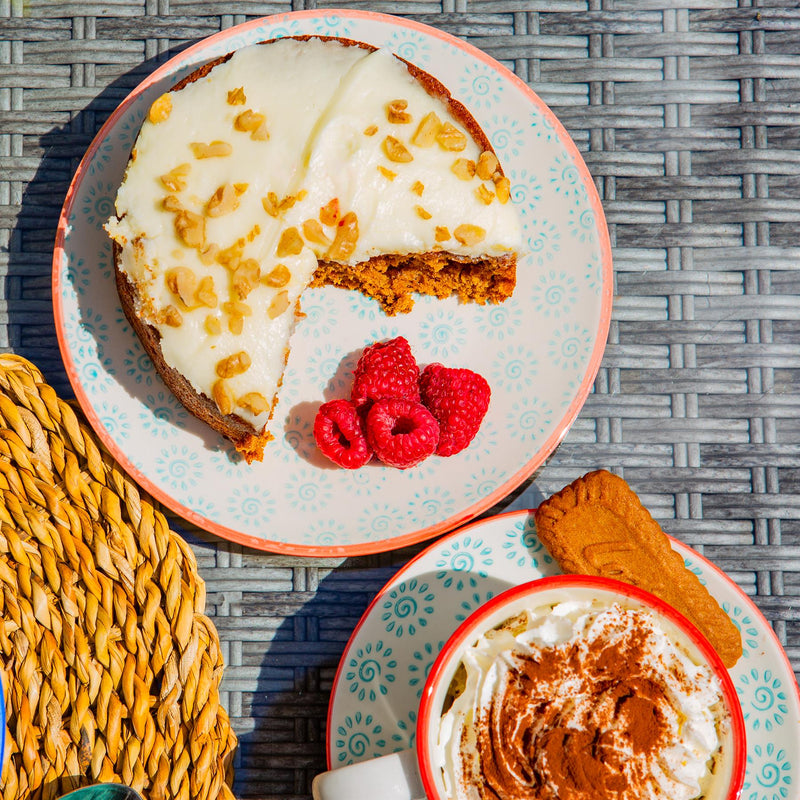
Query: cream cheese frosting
x,y
285,154
607,682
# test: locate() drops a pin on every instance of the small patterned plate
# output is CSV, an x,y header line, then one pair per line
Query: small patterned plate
x,y
383,669
539,351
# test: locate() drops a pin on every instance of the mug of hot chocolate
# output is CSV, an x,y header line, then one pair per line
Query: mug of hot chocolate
x,y
570,687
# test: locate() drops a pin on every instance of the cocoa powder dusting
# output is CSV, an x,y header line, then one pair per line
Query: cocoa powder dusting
x,y
532,748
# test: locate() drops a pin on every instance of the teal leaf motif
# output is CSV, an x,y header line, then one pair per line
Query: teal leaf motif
x,y
764,702
359,736
514,369
408,607
570,346
421,663
410,45
526,192
179,467
308,491
444,333
325,533
483,483
581,223
251,505
468,605
507,136
368,670
522,546
501,321
139,366
565,177
116,422
544,241
555,294
480,87
407,734
769,774
744,622
466,557
98,204
530,418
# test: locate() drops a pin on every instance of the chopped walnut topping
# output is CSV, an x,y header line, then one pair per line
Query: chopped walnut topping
x,y
212,325
253,232
290,244
421,212
233,365
245,277
171,203
484,195
223,396
251,122
273,206
230,256
236,97
487,165
175,179
223,201
182,283
278,305
418,188
442,233
190,228
215,149
240,188
279,276
236,311
205,294
170,315
464,168
330,214
451,138
396,151
254,402
161,109
208,254
314,232
344,244
387,173
370,130
469,234
396,112
503,188
427,130
260,134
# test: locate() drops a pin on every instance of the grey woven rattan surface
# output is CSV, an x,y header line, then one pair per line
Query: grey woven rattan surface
x,y
688,116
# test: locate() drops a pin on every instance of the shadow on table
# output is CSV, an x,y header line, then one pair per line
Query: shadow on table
x,y
31,328
283,649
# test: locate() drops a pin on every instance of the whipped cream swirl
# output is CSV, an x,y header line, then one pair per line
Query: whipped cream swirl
x,y
580,702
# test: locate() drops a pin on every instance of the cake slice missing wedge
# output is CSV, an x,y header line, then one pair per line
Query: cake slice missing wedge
x,y
301,161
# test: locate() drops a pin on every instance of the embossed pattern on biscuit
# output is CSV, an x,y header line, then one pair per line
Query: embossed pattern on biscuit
x,y
598,526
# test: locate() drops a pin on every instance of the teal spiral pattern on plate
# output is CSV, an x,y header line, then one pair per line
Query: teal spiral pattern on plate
x,y
408,608
370,671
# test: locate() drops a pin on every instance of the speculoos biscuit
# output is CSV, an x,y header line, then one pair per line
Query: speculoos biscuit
x,y
598,526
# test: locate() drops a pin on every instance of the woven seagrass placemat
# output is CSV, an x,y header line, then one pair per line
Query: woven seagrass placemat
x,y
687,116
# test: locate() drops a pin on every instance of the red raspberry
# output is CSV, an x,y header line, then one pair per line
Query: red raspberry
x,y
339,433
458,398
385,369
401,432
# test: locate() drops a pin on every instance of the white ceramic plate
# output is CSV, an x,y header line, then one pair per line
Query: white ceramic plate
x,y
381,674
539,351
